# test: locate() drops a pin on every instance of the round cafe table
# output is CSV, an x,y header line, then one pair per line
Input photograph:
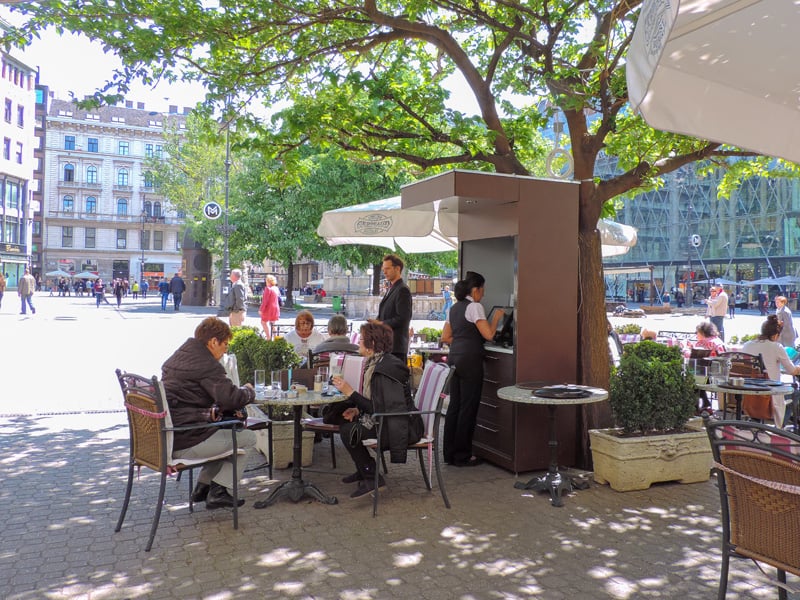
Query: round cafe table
x,y
555,480
297,488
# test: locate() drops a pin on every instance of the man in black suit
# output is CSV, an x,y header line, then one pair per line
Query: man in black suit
x,y
395,308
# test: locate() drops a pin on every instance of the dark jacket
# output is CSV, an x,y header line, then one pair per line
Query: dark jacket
x,y
466,348
395,311
177,285
194,382
390,393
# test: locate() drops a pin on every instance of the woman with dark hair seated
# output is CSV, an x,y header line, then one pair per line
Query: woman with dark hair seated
x,y
774,356
385,390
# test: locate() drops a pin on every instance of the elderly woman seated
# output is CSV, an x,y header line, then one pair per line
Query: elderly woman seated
x,y
304,337
708,338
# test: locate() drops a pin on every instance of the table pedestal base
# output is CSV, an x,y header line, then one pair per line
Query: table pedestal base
x,y
555,482
296,490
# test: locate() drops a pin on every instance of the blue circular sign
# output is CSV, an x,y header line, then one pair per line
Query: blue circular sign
x,y
212,210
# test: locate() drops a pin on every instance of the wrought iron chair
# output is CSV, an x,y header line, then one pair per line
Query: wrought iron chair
x,y
151,437
750,366
758,474
352,366
429,399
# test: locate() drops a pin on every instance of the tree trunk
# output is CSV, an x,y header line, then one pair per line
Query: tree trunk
x,y
593,356
376,279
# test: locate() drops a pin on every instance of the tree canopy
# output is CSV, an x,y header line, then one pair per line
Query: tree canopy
x,y
376,80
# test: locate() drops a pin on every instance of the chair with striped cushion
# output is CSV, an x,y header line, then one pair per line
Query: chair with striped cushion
x,y
151,439
429,399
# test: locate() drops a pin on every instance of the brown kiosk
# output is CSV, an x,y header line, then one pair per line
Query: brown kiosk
x,y
521,233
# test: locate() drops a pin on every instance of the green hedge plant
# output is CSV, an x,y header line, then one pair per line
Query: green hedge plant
x,y
255,352
650,392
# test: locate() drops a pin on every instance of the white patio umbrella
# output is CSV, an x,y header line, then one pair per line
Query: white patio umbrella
x,y
85,275
58,273
720,70
425,228
384,223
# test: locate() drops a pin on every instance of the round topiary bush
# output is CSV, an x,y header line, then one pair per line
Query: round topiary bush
x,y
650,392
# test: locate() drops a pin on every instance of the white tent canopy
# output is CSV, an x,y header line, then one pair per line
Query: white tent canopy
x,y
425,228
720,70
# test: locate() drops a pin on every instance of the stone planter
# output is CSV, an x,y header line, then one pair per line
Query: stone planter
x,y
635,463
282,441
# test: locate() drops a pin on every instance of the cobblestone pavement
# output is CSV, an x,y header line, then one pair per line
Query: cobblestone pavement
x,y
62,467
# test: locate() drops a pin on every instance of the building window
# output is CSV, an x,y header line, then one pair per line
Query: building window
x,y
69,172
69,142
7,110
7,148
122,239
158,240
124,148
122,177
68,204
145,241
12,194
148,150
91,237
37,228
157,209
92,144
20,115
148,180
148,208
66,237
19,153
91,174
91,205
181,214
122,207
159,151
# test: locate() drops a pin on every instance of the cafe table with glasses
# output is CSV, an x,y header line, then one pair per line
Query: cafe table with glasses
x,y
298,488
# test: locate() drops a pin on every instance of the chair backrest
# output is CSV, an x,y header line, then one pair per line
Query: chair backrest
x,y
148,419
758,470
302,376
745,365
353,371
431,391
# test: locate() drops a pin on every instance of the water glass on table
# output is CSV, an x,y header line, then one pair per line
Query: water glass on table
x,y
321,380
276,384
260,383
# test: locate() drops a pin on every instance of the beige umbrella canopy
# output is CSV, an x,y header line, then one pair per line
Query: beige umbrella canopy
x,y
720,70
425,228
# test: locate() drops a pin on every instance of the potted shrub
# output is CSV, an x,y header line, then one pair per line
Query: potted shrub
x,y
255,352
652,400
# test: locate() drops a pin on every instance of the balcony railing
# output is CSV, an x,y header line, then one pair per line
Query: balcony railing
x,y
113,218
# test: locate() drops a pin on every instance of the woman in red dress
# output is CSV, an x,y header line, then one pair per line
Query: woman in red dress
x,y
270,310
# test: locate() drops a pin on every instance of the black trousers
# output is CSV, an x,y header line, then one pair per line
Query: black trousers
x,y
462,412
352,433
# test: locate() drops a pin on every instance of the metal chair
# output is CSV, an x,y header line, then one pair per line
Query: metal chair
x,y
430,397
750,366
758,474
151,438
352,366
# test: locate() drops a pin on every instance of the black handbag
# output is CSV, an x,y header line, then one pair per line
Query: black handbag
x,y
332,414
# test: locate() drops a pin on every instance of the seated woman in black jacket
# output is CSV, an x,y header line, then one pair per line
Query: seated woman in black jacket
x,y
386,389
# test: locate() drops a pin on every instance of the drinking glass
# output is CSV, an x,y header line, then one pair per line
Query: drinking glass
x,y
260,383
276,384
318,382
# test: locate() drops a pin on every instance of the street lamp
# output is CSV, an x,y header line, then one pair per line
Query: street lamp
x,y
349,274
226,259
141,244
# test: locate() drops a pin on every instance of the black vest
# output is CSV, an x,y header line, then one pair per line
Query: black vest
x,y
467,340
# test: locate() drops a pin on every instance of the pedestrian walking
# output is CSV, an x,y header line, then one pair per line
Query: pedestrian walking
x,y
2,288
119,291
177,287
135,290
100,292
145,287
237,300
163,289
25,290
